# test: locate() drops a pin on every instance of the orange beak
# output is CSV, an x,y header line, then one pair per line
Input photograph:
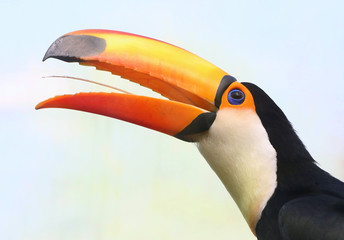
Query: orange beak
x,y
191,83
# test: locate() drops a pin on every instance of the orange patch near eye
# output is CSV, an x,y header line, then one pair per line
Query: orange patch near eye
x,y
248,102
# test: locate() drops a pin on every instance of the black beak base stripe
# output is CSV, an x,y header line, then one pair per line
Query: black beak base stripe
x,y
200,124
224,84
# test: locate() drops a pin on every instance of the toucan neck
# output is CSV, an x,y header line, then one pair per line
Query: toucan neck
x,y
294,162
238,150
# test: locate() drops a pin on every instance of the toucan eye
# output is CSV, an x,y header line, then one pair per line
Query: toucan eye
x,y
236,97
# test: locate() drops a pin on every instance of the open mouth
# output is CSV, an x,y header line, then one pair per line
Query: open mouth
x,y
189,82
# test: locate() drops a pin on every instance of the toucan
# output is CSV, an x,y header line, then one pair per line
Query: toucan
x,y
245,137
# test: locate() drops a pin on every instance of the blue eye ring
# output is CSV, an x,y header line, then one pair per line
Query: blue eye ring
x,y
236,97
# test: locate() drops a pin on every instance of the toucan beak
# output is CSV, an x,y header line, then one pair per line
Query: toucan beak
x,y
190,82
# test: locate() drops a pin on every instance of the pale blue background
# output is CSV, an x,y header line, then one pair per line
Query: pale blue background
x,y
71,175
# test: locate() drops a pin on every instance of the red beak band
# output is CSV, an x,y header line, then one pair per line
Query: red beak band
x,y
169,117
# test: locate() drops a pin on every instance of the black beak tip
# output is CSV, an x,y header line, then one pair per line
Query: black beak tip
x,y
71,48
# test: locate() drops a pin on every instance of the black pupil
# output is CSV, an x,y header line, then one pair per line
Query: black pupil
x,y
237,95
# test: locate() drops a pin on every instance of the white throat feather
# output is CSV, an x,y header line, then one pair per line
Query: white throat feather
x,y
238,149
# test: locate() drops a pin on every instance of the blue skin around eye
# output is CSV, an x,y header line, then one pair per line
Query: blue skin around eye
x,y
235,101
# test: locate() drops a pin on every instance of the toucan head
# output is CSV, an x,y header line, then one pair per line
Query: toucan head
x,y
232,122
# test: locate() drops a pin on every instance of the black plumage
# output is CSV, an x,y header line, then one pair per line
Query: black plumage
x,y
308,203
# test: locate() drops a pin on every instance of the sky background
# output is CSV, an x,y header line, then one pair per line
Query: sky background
x,y
72,175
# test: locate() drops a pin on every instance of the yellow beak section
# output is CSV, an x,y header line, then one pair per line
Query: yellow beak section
x,y
172,71
190,82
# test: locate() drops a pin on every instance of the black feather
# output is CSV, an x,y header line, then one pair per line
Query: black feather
x,y
298,176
